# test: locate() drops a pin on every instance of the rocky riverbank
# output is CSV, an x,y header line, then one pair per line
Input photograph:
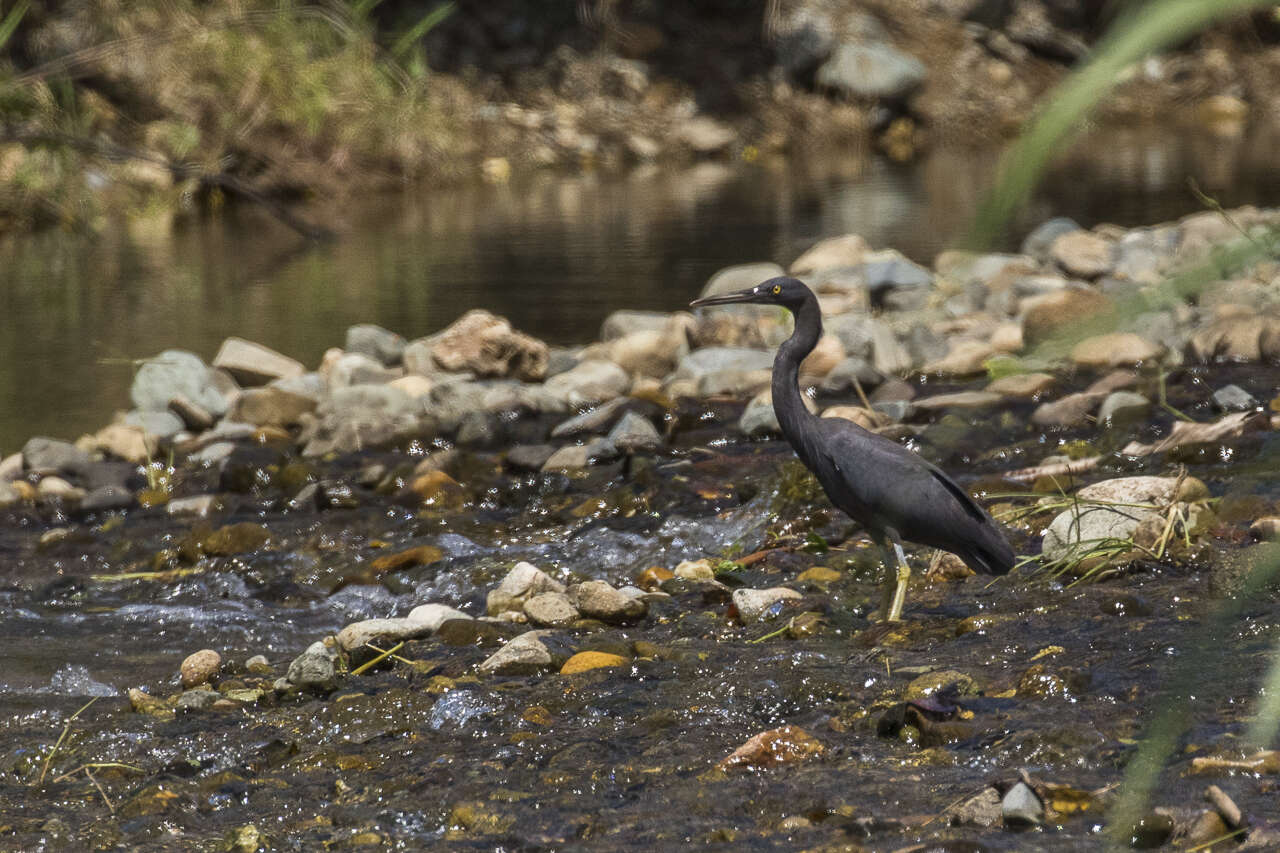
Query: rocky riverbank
x,y
281,102
555,593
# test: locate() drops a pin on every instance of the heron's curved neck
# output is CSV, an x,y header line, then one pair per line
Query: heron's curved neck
x,y
788,402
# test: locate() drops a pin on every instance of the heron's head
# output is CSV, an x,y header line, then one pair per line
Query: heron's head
x,y
783,290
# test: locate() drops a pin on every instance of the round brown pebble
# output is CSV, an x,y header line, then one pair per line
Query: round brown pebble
x,y
200,667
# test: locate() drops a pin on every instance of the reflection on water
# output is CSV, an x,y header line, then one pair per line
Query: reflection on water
x,y
554,253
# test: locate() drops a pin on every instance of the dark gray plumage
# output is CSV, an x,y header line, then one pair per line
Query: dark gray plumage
x,y
894,493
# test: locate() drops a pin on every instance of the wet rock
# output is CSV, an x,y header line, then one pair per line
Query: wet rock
x,y
633,433
593,421
755,605
436,488
1238,334
524,655
847,250
874,70
1021,807
1233,398
199,668
355,368
57,489
524,581
759,418
586,661
486,345
966,358
144,703
194,416
431,616
551,609
238,538
590,383
704,135
421,555
948,681
1266,528
529,457
414,385
649,353
315,669
695,570
982,809
1124,504
849,373
598,600
379,631
49,454
1083,254
1119,349
173,375
785,745
200,506
158,424
579,456
1152,830
865,418
9,496
270,406
1069,411
895,282
1044,316
104,498
1023,385
957,400
1121,406
1039,242
621,323
253,364
382,345
198,700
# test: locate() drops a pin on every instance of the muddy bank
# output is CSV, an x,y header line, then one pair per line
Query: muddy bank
x,y
477,590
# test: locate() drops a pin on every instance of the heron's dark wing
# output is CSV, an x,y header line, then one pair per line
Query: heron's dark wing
x,y
966,499
883,485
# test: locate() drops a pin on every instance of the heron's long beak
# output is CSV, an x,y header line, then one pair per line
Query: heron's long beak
x,y
749,295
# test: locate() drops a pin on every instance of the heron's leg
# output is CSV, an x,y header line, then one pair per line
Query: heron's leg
x,y
888,581
894,614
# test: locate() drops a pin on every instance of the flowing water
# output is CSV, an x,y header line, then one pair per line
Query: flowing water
x,y
423,755
554,253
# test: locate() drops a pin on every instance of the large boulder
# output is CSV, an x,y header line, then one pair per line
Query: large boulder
x,y
175,374
254,364
485,345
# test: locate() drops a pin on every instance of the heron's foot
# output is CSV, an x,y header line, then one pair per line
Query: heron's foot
x,y
894,613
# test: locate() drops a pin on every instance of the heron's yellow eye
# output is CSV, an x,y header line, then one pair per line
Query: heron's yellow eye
x,y
777,288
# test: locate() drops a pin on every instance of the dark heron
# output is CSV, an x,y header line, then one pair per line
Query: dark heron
x,y
883,486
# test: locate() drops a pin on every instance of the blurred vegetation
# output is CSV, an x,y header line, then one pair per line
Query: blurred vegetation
x,y
107,105
1141,31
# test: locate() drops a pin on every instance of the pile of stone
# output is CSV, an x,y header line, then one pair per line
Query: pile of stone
x,y
886,318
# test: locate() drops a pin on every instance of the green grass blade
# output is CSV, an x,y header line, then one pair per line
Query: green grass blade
x,y
1155,26
10,23
411,36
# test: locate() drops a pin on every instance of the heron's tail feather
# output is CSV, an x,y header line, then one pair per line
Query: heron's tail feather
x,y
992,555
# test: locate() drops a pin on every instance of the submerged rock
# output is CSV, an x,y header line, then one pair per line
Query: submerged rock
x,y
587,661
